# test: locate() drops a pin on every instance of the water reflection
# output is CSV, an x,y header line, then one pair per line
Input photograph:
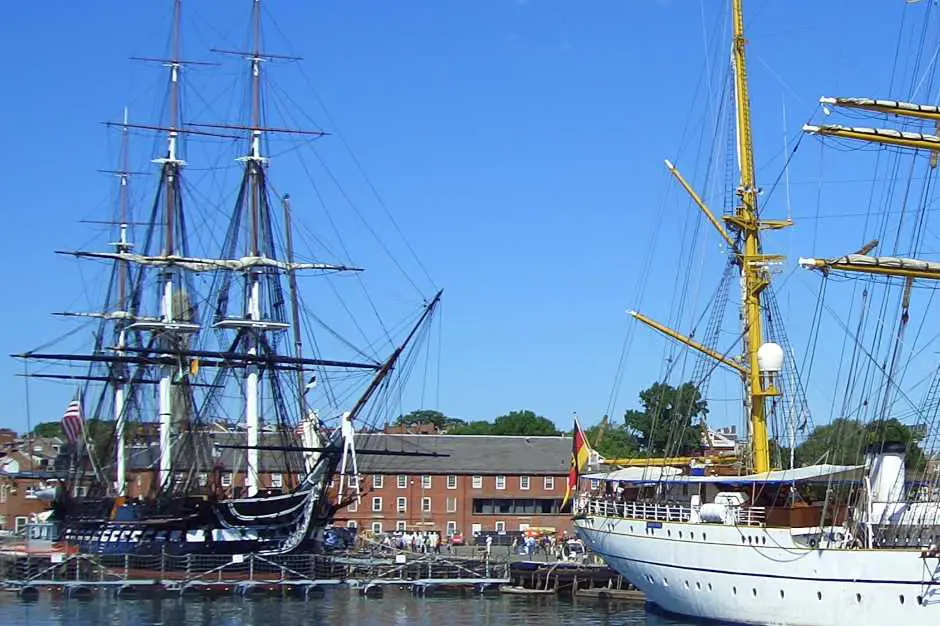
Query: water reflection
x,y
397,608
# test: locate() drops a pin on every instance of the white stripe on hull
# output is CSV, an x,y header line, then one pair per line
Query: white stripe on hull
x,y
753,575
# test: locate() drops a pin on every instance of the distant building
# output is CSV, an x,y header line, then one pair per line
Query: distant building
x,y
480,483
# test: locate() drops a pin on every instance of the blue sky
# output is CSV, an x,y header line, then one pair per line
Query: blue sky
x,y
519,145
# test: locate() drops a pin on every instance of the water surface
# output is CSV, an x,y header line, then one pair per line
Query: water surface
x,y
339,607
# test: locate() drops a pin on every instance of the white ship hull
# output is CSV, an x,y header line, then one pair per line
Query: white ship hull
x,y
755,575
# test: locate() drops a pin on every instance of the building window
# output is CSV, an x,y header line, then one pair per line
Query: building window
x,y
500,482
549,483
19,522
80,491
451,528
425,482
352,523
500,527
353,482
203,479
401,505
401,525
402,481
595,483
377,505
227,479
524,483
451,482
353,506
277,481
377,528
451,505
516,506
378,481
477,482
426,505
4,493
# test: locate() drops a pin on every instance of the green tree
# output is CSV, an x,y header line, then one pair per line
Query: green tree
x,y
843,442
478,427
513,423
524,423
668,423
615,441
428,416
48,429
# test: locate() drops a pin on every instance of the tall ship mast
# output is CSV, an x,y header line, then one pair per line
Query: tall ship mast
x,y
198,371
754,538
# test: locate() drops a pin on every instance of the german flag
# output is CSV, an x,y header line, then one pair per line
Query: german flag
x,y
580,453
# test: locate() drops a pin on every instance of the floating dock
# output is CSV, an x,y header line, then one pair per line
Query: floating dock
x,y
298,576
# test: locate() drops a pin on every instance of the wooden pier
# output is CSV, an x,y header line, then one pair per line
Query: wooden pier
x,y
298,576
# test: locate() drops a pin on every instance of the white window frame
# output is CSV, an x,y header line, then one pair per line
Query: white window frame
x,y
426,481
595,483
277,481
202,479
501,483
4,493
377,504
426,504
377,528
476,529
477,482
353,507
451,481
20,522
500,526
354,482
401,525
524,483
402,481
452,504
451,528
227,479
401,504
549,483
378,481
352,523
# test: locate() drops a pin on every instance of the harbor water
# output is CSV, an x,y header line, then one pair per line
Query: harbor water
x,y
339,606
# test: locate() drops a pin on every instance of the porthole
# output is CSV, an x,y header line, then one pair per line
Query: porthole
x,y
686,584
680,534
819,595
699,586
901,598
691,535
920,600
858,597
754,591
763,540
704,536
709,586
781,593
734,591
743,539
665,582
669,533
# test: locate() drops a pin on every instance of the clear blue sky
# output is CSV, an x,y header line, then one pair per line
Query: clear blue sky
x,y
519,144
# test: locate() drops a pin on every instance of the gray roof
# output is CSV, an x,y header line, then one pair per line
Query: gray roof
x,y
461,454
466,454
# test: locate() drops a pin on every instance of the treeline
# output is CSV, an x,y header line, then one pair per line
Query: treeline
x,y
525,423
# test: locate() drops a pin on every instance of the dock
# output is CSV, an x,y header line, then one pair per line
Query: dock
x,y
301,576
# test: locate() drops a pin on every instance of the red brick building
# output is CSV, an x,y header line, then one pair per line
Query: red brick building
x,y
475,484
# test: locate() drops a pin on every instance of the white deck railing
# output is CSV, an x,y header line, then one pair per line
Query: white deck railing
x,y
742,516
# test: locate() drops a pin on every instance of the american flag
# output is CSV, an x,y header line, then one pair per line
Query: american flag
x,y
72,420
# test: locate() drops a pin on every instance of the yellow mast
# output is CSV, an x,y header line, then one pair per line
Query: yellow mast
x,y
753,263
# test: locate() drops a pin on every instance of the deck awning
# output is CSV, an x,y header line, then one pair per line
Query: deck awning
x,y
654,475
